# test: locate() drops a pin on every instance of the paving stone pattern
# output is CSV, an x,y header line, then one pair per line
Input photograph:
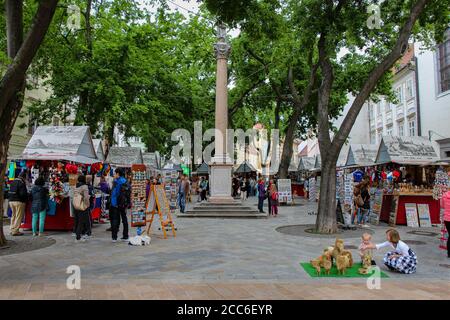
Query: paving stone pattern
x,y
214,259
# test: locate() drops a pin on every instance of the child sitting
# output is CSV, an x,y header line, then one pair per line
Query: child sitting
x,y
363,247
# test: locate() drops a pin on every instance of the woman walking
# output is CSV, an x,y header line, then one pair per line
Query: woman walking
x,y
445,204
39,205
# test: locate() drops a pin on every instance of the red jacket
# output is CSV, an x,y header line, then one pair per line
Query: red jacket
x,y
445,204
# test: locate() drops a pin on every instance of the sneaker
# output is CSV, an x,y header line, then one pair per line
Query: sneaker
x,y
114,240
35,234
124,239
74,234
85,237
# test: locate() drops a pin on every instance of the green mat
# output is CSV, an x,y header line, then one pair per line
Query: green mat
x,y
349,273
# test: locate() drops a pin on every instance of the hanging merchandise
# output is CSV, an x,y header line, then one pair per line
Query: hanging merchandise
x,y
34,174
441,185
12,171
56,187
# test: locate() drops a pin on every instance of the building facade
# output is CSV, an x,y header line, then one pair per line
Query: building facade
x,y
399,118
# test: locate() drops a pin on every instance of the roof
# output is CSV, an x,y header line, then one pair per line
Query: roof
x,y
407,150
343,155
125,156
362,155
318,163
150,159
70,143
203,169
245,167
98,147
306,163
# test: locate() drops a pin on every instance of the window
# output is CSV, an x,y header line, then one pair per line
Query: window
x,y
412,127
389,131
388,107
409,89
443,59
401,129
399,94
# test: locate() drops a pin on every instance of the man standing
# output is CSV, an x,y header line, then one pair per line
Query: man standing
x,y
120,200
18,196
183,190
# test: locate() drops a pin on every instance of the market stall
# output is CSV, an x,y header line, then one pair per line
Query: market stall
x,y
407,175
124,157
151,162
245,168
59,154
98,147
304,165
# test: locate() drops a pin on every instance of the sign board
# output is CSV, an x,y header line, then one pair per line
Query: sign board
x,y
424,215
138,195
376,205
284,191
394,211
157,203
411,215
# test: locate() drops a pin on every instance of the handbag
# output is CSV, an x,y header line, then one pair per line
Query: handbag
x,y
359,201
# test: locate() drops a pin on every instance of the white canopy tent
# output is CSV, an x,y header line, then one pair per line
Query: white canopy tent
x,y
98,146
71,143
124,156
408,151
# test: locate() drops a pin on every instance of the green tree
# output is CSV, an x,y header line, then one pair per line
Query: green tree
x,y
20,52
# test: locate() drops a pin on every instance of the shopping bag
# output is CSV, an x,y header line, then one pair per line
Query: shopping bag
x,y
51,210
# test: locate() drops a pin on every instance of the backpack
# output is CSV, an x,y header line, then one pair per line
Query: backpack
x,y
78,200
274,195
124,198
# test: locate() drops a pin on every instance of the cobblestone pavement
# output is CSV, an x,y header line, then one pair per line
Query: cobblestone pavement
x,y
214,259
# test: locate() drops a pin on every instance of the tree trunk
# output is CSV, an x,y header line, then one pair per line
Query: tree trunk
x,y
326,217
12,85
287,145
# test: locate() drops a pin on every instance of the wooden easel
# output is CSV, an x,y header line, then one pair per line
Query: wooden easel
x,y
157,203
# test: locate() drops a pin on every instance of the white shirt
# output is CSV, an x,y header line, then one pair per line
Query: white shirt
x,y
402,248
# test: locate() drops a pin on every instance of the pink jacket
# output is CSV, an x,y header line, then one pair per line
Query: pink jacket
x,y
445,204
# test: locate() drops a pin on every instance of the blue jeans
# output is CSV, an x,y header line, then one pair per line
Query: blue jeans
x,y
41,217
182,201
261,204
363,215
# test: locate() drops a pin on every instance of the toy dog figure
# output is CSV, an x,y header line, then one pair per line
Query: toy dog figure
x,y
349,255
342,263
327,264
338,248
316,264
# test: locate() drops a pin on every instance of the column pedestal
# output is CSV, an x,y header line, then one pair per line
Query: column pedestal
x,y
220,180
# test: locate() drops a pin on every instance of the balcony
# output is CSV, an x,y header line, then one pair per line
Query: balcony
x,y
389,117
400,112
411,109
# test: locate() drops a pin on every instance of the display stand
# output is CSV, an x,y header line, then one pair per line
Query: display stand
x,y
138,196
441,185
284,191
157,203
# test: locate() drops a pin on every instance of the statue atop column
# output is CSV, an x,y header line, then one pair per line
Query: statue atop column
x,y
222,48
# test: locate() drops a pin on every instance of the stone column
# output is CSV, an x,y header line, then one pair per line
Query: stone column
x,y
221,163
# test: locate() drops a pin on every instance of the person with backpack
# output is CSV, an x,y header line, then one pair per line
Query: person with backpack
x,y
81,203
39,206
120,201
18,196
